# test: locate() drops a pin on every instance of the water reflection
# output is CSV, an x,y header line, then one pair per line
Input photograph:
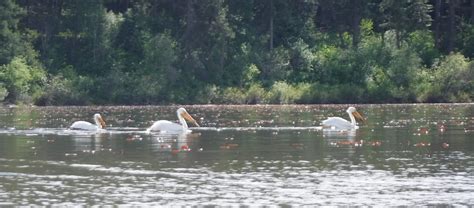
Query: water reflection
x,y
174,143
89,142
349,134
406,155
344,140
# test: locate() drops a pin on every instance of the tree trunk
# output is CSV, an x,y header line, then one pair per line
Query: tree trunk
x,y
452,26
340,35
190,24
271,24
356,17
437,24
398,38
472,11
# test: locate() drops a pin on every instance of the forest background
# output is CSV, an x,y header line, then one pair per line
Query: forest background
x,y
128,52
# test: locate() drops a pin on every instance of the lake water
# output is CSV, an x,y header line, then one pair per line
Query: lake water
x,y
241,155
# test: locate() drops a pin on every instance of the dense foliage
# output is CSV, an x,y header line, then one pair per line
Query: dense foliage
x,y
69,52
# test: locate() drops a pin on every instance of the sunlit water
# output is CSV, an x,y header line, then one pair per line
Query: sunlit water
x,y
241,155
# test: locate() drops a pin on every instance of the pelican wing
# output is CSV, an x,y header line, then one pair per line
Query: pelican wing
x,y
338,123
165,126
83,125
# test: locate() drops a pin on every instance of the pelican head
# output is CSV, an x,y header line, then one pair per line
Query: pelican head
x,y
182,113
99,121
352,111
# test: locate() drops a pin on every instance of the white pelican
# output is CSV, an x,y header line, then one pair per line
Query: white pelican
x,y
340,123
170,127
84,125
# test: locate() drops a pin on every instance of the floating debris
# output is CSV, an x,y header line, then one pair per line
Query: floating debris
x,y
229,146
422,144
445,145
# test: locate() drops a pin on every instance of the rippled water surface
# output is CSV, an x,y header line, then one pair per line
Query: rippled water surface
x,y
241,155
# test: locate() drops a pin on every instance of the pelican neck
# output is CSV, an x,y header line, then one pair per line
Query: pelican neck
x,y
182,121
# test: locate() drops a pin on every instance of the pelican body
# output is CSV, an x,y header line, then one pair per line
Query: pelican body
x,y
84,125
341,124
171,127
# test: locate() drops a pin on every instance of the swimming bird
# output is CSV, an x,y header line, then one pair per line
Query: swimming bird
x,y
84,125
170,127
341,124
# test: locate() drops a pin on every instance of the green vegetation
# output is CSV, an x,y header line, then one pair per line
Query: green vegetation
x,y
68,52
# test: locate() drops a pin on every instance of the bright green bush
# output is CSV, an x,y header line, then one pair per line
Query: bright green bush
x,y
210,94
401,72
450,80
283,93
68,88
273,65
255,94
302,61
328,65
374,52
379,86
325,93
3,93
61,90
280,93
233,95
250,75
422,42
22,81
308,92
336,66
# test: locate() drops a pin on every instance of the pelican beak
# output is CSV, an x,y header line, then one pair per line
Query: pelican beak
x,y
358,117
102,122
189,118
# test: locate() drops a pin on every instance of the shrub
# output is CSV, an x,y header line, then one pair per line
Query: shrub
x,y
250,74
378,86
273,66
422,42
60,90
302,61
450,81
22,81
325,93
124,85
233,95
283,93
255,94
467,39
3,93
307,93
401,71
68,88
